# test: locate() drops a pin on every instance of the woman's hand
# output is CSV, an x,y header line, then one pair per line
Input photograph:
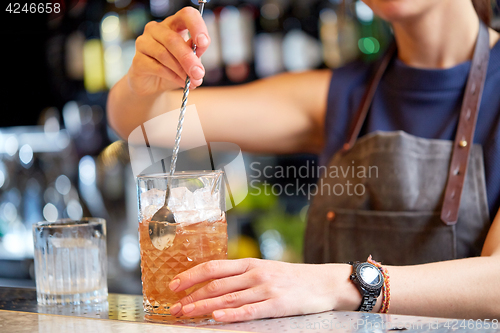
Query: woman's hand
x,y
248,289
164,58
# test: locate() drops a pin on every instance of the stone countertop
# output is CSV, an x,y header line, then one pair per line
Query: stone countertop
x,y
14,322
19,312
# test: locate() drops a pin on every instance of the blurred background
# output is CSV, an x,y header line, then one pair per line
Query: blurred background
x,y
60,159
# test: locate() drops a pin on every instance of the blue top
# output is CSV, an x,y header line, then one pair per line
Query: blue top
x,y
422,102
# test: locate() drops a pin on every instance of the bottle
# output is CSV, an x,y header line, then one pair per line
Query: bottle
x,y
236,32
212,58
269,39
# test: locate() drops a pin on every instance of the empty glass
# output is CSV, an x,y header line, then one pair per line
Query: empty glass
x,y
70,261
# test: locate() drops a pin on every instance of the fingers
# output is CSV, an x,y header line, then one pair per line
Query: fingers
x,y
264,309
214,269
189,18
164,59
213,289
229,300
145,65
217,288
172,70
150,47
171,50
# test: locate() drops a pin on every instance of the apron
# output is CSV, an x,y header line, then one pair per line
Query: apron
x,y
404,199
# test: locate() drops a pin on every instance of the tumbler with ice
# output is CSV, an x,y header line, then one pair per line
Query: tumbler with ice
x,y
200,234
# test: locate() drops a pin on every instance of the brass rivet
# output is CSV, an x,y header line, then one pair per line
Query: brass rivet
x,y
463,143
346,146
330,215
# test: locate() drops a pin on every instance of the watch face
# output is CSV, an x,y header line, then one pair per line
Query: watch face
x,y
370,275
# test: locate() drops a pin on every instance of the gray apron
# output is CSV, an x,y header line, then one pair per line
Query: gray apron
x,y
404,199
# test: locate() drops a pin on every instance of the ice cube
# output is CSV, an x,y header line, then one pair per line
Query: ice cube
x,y
187,217
181,199
204,215
154,197
210,215
205,199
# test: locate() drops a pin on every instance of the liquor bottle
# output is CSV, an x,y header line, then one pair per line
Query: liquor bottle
x,y
301,47
236,33
329,34
212,58
269,39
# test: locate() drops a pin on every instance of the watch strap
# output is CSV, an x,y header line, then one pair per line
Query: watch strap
x,y
368,302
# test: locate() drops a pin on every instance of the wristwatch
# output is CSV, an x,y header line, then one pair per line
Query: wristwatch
x,y
369,280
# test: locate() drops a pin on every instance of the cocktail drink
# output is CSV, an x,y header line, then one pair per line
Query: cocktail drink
x,y
193,244
200,234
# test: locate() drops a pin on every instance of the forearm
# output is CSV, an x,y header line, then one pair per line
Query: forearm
x,y
126,110
261,117
464,288
282,114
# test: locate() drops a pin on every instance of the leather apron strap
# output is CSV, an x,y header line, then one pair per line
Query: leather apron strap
x,y
366,102
464,138
466,125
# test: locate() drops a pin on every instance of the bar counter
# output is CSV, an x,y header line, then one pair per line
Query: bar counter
x,y
19,312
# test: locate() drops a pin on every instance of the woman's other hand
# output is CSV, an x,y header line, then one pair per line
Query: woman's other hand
x,y
247,289
164,58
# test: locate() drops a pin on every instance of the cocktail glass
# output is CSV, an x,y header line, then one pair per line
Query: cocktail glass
x,y
200,234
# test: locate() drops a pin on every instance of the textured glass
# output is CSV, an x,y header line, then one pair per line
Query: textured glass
x,y
197,201
70,261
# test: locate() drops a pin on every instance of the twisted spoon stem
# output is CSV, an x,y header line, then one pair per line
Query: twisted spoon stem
x,y
183,108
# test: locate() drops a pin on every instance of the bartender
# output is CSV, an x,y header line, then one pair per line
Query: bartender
x,y
427,115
